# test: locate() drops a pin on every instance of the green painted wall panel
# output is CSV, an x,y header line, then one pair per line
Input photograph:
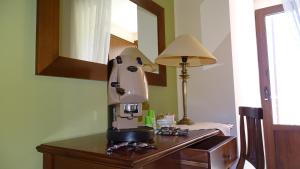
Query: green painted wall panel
x,y
37,109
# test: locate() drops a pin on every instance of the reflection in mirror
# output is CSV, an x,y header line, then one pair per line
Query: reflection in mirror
x,y
90,30
85,29
50,62
147,35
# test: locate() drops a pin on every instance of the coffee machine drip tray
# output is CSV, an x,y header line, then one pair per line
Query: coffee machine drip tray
x,y
140,134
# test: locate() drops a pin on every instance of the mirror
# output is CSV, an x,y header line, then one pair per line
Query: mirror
x,y
137,28
55,53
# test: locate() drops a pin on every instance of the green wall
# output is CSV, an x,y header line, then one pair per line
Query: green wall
x,y
37,109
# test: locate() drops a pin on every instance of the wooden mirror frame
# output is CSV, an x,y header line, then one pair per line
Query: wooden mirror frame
x,y
49,63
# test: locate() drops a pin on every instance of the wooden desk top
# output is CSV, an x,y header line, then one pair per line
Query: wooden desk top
x,y
93,148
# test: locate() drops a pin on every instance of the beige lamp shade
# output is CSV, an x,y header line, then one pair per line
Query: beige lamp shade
x,y
189,46
148,66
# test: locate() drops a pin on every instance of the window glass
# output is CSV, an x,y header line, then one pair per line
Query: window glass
x,y
284,68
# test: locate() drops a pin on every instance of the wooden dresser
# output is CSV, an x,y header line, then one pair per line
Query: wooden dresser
x,y
201,149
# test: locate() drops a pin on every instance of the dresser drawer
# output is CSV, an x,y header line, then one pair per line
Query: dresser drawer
x,y
217,152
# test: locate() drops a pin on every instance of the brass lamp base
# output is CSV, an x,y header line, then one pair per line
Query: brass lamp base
x,y
185,121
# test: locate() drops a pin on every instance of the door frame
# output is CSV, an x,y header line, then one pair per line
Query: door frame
x,y
262,50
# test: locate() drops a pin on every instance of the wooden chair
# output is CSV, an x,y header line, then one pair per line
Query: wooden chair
x,y
255,150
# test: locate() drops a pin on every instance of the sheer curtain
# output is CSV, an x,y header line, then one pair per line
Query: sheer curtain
x,y
292,7
283,37
85,29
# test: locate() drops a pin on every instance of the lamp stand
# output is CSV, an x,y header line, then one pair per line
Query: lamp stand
x,y
184,76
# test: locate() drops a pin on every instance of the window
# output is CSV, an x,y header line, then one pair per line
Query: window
x,y
284,59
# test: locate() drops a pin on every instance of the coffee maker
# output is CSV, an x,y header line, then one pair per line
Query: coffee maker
x,y
127,90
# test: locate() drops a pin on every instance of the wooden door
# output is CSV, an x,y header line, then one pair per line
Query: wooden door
x,y
279,71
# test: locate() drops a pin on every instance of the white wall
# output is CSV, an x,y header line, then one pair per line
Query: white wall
x,y
210,91
187,17
244,51
265,3
226,28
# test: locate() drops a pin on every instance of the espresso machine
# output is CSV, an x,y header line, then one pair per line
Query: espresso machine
x,y
127,90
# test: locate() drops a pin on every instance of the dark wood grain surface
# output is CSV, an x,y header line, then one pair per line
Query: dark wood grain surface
x,y
93,148
282,143
262,51
252,150
287,142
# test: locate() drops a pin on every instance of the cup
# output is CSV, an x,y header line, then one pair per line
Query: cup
x,y
148,121
151,113
152,117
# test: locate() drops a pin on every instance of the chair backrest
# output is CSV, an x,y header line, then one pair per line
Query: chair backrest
x,y
255,150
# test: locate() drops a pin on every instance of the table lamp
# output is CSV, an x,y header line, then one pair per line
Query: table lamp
x,y
185,51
